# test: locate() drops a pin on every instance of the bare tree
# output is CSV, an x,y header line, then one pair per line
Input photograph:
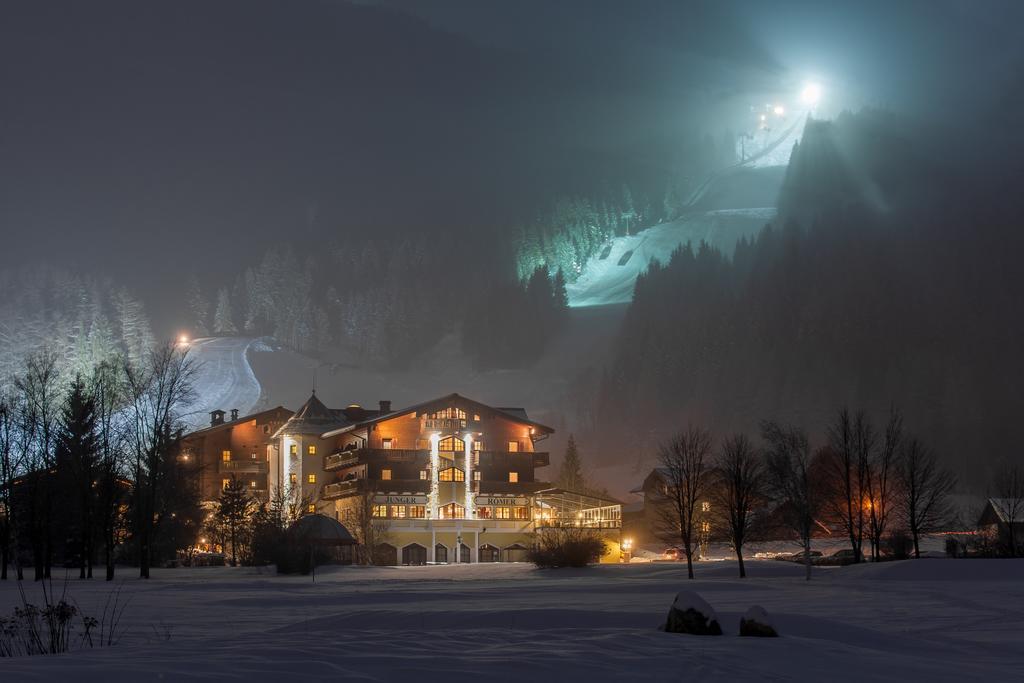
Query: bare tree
x,y
922,491
156,392
1009,487
738,488
109,396
368,529
40,392
685,469
793,480
880,481
851,444
8,468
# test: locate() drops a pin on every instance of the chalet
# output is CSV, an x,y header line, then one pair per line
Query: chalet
x,y
447,480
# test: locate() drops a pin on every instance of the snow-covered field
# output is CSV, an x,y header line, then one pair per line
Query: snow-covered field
x,y
932,619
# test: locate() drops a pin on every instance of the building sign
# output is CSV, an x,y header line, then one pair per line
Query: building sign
x,y
402,500
497,500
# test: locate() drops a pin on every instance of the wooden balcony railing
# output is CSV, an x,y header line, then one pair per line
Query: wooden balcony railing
x,y
239,466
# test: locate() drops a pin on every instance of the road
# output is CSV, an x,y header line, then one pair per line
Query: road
x,y
224,379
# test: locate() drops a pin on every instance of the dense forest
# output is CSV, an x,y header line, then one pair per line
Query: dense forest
x,y
854,296
390,302
83,320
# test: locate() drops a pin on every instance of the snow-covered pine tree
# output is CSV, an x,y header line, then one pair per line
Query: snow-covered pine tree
x,y
223,318
198,306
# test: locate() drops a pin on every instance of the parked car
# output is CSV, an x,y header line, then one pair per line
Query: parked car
x,y
799,556
839,558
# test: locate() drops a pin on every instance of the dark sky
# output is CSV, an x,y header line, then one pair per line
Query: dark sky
x,y
132,133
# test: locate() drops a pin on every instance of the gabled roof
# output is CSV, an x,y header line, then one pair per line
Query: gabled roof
x,y
1007,508
514,414
235,423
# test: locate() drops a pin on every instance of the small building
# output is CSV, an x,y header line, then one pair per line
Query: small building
x,y
1002,519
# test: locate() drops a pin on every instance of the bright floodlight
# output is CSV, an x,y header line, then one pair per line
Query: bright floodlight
x,y
811,94
183,340
779,110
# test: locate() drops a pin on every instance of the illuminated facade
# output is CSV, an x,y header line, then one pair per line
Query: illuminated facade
x,y
449,480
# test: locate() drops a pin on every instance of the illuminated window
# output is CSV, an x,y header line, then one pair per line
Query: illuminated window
x,y
311,508
424,474
293,449
513,477
252,456
385,475
451,474
398,512
483,512
513,446
225,456
476,475
293,478
387,444
451,444
311,449
476,417
478,446
521,513
503,513
418,511
311,478
380,510
705,506
449,414
224,483
452,511
252,484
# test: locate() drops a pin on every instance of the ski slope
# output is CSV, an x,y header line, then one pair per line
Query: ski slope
x,y
731,203
610,280
224,380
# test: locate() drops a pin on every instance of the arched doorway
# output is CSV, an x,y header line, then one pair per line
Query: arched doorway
x,y
516,553
488,553
385,555
440,554
414,553
464,554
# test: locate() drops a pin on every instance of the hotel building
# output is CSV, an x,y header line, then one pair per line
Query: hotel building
x,y
449,480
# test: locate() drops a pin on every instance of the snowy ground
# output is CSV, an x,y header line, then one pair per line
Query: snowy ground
x,y
224,381
929,619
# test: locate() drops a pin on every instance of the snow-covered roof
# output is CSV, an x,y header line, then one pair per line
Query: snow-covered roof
x,y
1007,509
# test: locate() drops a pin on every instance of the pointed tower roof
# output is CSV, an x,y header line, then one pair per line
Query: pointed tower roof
x,y
312,418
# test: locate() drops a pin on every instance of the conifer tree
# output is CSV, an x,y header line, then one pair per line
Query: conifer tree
x,y
77,460
198,306
570,475
234,510
224,319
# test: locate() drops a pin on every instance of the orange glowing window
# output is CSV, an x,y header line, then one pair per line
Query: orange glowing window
x,y
513,477
225,456
385,475
311,478
513,446
311,450
387,444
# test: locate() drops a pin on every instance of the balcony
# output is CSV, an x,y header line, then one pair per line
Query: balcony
x,y
341,489
242,466
337,461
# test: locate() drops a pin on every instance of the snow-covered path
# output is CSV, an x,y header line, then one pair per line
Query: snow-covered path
x,y
932,619
224,379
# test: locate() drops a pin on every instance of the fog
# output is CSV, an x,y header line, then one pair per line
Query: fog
x,y
355,159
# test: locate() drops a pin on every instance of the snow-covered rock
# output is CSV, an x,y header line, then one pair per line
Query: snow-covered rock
x,y
756,622
691,614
